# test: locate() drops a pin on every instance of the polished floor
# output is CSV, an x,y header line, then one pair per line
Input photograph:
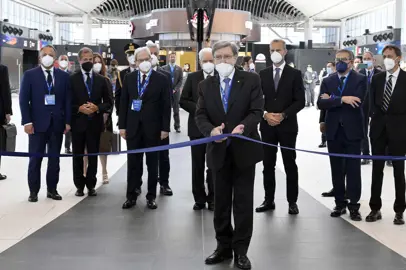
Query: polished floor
x,y
95,233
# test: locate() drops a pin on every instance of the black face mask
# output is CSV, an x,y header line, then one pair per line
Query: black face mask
x,y
87,66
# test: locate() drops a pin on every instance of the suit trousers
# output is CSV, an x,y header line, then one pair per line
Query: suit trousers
x,y
68,140
164,164
90,141
175,105
3,140
365,141
198,171
286,139
37,144
135,166
383,146
234,193
345,168
309,90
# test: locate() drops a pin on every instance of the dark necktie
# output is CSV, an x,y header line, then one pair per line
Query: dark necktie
x,y
342,79
88,83
277,78
49,78
387,94
144,77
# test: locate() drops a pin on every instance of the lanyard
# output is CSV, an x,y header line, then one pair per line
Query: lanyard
x,y
341,90
370,76
50,86
225,95
89,89
143,87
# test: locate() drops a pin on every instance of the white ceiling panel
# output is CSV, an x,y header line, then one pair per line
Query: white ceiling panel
x,y
65,7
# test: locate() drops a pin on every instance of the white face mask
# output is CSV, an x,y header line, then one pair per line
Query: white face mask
x,y
208,67
97,67
309,69
131,59
276,57
63,64
47,61
389,63
154,60
186,67
224,69
252,66
145,66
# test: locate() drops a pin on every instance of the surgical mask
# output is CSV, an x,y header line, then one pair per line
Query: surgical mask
x,y
97,67
341,67
224,69
63,64
276,57
356,65
145,66
329,70
208,67
252,66
369,63
47,61
389,63
186,67
154,60
114,67
87,66
131,59
309,69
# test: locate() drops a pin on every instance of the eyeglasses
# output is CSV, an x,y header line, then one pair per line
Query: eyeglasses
x,y
344,59
225,57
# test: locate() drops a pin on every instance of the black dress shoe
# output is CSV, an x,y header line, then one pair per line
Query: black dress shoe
x,y
242,262
210,206
355,215
389,163
399,219
2,177
177,130
152,204
265,206
365,162
323,145
338,211
374,216
33,197
68,151
92,192
328,194
293,209
199,206
167,191
54,195
79,193
129,204
219,256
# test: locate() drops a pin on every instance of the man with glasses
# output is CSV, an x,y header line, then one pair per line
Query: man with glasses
x,y
342,96
231,102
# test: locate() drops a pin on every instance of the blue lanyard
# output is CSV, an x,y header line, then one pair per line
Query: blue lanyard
x,y
225,95
50,86
370,76
142,88
341,90
89,89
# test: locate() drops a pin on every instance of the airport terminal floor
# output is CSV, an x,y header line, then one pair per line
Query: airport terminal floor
x,y
95,233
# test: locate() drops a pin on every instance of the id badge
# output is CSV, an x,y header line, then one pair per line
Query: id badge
x,y
137,105
49,100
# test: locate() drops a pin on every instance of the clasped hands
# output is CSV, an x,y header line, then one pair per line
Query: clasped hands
x,y
88,108
273,119
350,100
219,130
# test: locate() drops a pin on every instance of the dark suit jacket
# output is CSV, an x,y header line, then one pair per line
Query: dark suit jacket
x,y
5,95
155,115
101,96
393,121
244,107
168,79
189,98
178,76
367,99
338,113
289,97
119,86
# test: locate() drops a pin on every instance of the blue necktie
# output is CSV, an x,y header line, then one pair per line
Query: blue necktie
x,y
277,78
225,93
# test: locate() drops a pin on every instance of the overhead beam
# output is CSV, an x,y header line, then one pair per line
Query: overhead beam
x,y
322,23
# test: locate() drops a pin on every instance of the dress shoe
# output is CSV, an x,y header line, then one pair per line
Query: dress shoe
x,y
374,216
338,211
167,191
54,195
129,204
365,162
323,145
138,191
399,219
389,163
265,206
92,192
293,209
68,151
33,197
355,215
219,256
328,194
152,204
242,262
177,130
79,193
2,177
199,206
210,206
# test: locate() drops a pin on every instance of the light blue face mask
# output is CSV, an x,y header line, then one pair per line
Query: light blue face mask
x,y
369,63
329,70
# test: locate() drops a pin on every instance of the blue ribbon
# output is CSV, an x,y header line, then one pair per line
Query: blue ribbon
x,y
198,142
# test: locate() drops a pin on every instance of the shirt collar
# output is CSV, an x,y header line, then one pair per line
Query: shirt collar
x,y
395,74
84,72
229,76
45,70
205,74
281,67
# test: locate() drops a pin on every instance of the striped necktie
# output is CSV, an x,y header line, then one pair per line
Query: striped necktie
x,y
387,94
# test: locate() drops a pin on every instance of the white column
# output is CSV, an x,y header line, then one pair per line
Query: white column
x,y
308,29
398,13
57,34
87,30
343,34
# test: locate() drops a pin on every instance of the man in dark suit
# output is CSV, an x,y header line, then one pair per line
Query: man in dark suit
x,y
370,71
144,121
5,108
63,63
45,104
388,130
163,156
188,101
177,78
342,97
91,98
231,102
284,97
129,51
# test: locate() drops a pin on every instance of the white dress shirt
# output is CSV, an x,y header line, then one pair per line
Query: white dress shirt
x,y
281,67
395,76
85,75
46,74
132,69
205,74
223,84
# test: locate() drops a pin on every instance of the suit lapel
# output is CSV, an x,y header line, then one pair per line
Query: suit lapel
x,y
41,75
284,76
238,81
217,96
272,82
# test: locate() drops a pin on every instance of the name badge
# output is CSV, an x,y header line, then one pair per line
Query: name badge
x,y
49,100
137,105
